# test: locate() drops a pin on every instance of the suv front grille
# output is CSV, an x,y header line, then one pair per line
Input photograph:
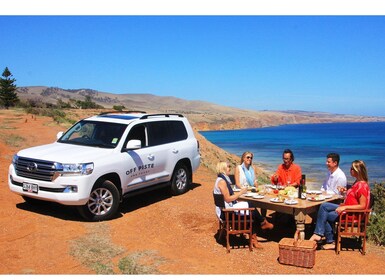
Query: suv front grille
x,y
35,169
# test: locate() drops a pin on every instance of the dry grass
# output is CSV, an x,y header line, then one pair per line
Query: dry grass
x,y
12,140
96,251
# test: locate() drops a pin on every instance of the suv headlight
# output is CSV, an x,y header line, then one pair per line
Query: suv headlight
x,y
15,159
71,169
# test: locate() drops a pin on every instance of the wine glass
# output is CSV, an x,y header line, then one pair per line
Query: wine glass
x,y
262,190
245,186
342,192
288,181
291,195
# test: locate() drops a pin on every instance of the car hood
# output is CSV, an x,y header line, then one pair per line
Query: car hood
x,y
65,153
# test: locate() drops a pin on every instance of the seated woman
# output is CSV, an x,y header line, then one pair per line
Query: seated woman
x,y
357,198
223,186
244,173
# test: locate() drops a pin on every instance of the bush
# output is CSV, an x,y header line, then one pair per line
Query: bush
x,y
376,229
118,107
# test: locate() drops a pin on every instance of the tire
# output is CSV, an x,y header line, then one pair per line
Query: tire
x,y
180,181
103,202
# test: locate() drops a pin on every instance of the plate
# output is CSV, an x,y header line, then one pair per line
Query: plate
x,y
236,189
258,196
249,194
317,198
328,196
314,191
276,200
291,202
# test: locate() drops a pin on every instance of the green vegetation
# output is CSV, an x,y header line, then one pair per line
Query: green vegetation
x,y
57,115
88,104
57,112
96,251
118,107
376,229
131,263
12,140
8,95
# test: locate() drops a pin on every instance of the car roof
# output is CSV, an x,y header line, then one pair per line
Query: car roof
x,y
128,117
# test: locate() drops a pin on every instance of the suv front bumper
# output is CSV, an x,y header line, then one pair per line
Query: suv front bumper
x,y
67,190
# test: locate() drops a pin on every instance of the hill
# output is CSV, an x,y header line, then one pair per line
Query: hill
x,y
204,115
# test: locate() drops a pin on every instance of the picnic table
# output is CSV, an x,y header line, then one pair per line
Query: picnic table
x,y
298,209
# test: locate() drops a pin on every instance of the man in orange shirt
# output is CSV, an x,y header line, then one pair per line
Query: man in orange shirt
x,y
288,173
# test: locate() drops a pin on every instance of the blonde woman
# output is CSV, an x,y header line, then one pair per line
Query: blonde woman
x,y
223,186
244,173
357,198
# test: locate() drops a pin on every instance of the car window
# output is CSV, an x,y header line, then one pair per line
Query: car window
x,y
178,131
163,132
138,132
88,133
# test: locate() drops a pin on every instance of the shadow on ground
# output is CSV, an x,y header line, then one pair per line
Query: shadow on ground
x,y
70,213
284,226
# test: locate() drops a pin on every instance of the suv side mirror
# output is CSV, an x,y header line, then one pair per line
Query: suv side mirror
x,y
59,134
133,144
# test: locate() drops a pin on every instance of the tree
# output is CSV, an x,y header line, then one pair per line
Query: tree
x,y
8,95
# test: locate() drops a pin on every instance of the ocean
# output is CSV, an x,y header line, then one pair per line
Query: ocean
x,y
310,144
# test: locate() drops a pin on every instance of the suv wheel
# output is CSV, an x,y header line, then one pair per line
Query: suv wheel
x,y
102,204
180,181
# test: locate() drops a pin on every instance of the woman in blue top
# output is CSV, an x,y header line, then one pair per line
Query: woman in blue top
x,y
244,173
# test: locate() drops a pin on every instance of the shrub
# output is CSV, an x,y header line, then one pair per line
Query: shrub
x,y
376,229
118,107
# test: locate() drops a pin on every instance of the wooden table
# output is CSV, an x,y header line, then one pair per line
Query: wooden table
x,y
299,210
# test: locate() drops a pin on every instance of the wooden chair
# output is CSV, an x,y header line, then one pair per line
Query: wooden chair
x,y
233,222
353,223
232,179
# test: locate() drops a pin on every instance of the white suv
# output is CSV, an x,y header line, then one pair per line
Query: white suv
x,y
104,158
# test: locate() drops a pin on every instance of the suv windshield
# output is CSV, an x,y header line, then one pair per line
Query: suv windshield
x,y
90,133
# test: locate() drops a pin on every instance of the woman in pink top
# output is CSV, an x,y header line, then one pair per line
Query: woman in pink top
x,y
357,198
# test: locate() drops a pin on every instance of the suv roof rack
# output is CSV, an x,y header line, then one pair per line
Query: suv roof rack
x,y
122,112
156,115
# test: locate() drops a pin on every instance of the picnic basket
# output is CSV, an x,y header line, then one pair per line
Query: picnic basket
x,y
297,252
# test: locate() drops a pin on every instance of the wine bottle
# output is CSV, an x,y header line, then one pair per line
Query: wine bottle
x,y
301,186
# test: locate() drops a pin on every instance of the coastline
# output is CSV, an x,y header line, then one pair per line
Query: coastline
x,y
211,154
316,144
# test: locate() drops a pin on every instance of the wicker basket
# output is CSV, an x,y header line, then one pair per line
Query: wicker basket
x,y
298,253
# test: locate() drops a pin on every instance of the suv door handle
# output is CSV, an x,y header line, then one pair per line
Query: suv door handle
x,y
151,157
175,151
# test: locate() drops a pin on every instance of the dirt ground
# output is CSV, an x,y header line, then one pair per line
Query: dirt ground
x,y
174,235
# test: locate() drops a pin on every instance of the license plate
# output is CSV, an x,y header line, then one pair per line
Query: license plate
x,y
29,187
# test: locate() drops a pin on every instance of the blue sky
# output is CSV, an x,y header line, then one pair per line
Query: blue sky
x,y
313,63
